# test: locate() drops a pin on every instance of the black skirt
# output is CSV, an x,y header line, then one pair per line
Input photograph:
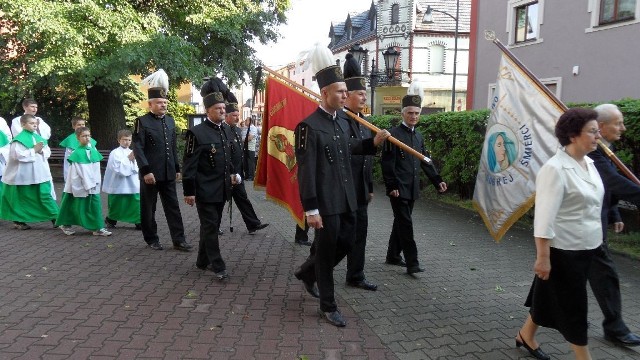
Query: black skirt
x,y
561,301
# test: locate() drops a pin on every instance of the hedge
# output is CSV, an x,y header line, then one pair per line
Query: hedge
x,y
454,141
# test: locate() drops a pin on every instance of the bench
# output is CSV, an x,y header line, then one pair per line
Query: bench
x,y
57,158
57,155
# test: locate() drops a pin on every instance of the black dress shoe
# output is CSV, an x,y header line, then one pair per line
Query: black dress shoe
x,y
222,275
333,317
629,339
396,262
304,242
182,246
259,227
311,287
138,226
156,246
205,267
537,353
414,270
110,224
363,284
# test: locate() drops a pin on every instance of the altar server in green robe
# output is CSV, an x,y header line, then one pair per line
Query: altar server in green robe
x,y
26,195
81,203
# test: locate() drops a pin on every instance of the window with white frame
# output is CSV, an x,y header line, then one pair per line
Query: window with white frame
x,y
609,14
616,10
526,24
436,59
554,84
395,14
524,20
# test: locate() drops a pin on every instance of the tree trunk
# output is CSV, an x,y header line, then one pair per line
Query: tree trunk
x,y
106,116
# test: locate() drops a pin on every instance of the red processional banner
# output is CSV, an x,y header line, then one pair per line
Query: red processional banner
x,y
277,168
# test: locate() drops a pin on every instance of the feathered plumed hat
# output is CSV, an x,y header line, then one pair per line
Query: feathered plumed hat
x,y
414,95
353,75
158,84
322,64
232,103
214,91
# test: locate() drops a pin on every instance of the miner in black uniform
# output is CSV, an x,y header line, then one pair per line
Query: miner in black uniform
x,y
361,169
209,174
238,192
326,184
154,146
401,175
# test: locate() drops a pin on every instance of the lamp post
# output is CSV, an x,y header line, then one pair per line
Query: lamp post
x,y
391,56
428,19
358,54
373,81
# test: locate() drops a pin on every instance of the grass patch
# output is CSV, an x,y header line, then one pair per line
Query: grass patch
x,y
628,244
625,243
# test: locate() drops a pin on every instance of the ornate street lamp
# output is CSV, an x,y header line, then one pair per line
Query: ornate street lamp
x,y
391,56
358,53
428,19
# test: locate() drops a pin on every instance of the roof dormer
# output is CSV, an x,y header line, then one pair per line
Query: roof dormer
x,y
348,28
373,16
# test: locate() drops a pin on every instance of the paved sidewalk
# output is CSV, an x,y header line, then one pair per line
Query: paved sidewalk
x,y
87,297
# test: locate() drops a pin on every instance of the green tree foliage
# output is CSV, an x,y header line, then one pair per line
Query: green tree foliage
x,y
91,47
179,111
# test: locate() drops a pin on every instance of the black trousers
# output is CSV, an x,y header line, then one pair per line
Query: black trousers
x,y
401,239
605,284
240,197
331,244
302,234
355,259
249,164
210,215
169,198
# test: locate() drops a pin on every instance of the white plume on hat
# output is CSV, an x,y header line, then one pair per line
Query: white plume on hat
x,y
158,79
314,87
318,57
416,88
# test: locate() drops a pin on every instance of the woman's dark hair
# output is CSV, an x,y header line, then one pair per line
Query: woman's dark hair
x,y
571,123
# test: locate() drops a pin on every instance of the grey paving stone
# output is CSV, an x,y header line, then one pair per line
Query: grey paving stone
x,y
84,297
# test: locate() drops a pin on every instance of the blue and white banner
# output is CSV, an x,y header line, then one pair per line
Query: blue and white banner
x,y
519,140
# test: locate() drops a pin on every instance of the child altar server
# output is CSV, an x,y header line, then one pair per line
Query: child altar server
x,y
71,143
122,183
26,195
81,204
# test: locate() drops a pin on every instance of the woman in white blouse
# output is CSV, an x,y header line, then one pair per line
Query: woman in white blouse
x,y
567,231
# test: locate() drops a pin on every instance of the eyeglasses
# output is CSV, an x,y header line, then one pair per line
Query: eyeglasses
x,y
593,131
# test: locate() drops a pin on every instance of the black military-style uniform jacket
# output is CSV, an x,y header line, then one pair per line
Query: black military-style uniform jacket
x,y
361,165
207,164
154,146
400,169
616,187
237,153
323,154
